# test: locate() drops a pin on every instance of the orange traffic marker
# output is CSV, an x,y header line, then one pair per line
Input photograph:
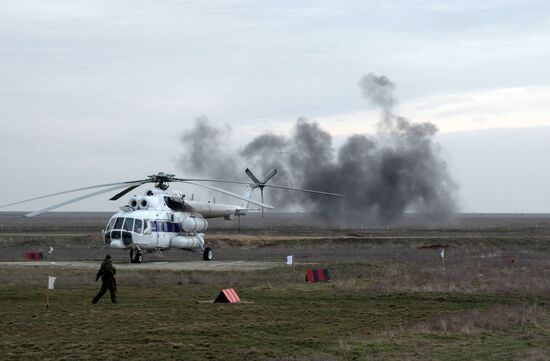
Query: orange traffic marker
x,y
227,295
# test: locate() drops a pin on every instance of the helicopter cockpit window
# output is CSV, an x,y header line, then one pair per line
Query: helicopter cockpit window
x,y
118,224
128,224
138,225
111,224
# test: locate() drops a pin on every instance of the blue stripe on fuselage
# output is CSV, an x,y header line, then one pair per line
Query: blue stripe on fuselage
x,y
160,226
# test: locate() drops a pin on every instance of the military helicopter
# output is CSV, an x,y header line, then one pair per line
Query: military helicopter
x,y
161,218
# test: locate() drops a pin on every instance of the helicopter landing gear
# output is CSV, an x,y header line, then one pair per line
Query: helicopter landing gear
x,y
207,254
136,257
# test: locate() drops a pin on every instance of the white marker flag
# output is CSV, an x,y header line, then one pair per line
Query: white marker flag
x,y
442,254
51,282
289,260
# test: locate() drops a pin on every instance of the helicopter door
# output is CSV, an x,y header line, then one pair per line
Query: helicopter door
x,y
150,233
127,228
164,236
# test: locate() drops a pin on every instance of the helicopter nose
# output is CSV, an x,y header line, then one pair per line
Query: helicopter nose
x,y
126,238
117,239
118,235
107,238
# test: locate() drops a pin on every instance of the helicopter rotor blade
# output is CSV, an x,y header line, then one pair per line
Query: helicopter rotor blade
x,y
269,176
256,185
263,205
120,194
32,214
252,176
210,180
305,190
70,191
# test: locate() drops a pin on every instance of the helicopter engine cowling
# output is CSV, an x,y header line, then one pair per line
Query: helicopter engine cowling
x,y
143,203
133,202
194,225
187,242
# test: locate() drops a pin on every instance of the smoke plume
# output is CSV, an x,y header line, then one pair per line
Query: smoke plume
x,y
382,176
204,153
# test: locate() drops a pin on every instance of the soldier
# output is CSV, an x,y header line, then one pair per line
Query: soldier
x,y
107,273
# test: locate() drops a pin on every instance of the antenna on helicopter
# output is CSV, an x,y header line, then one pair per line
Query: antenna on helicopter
x,y
261,185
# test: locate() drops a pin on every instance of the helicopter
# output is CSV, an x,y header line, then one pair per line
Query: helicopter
x,y
162,219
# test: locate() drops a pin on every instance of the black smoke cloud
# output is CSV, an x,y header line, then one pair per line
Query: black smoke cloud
x,y
399,169
205,152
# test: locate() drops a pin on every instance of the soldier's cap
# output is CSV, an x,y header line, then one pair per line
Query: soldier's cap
x,y
108,256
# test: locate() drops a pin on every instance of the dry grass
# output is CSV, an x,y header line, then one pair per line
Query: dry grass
x,y
393,300
520,317
289,319
477,276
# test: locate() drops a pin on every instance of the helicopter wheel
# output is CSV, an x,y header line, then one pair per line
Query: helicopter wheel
x,y
138,258
207,254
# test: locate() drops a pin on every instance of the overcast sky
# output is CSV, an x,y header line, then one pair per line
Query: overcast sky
x,y
101,91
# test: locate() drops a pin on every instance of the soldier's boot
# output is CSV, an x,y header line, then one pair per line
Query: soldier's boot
x,y
112,293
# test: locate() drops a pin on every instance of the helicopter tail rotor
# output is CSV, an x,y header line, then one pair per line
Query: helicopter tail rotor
x,y
269,176
258,184
252,176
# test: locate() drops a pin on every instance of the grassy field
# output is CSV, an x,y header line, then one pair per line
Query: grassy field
x,y
367,312
390,296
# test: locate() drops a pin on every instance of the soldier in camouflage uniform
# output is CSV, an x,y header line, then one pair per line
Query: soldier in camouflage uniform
x,y
107,273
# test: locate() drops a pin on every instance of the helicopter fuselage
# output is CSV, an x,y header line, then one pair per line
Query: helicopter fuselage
x,y
150,230
162,220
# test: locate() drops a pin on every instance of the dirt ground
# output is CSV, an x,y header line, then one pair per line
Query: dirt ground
x,y
219,266
76,236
